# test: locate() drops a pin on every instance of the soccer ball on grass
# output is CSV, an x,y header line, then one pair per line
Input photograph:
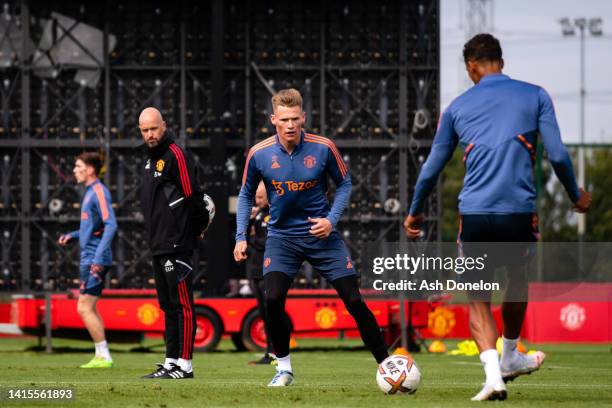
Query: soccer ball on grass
x,y
398,374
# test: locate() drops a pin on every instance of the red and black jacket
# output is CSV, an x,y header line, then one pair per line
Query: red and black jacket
x,y
167,190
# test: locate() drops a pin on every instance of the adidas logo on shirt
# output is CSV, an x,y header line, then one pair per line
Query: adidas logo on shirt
x,y
169,266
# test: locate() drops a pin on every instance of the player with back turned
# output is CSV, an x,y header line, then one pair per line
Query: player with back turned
x,y
294,166
497,123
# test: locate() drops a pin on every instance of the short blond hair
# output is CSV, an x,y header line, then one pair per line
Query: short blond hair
x,y
287,97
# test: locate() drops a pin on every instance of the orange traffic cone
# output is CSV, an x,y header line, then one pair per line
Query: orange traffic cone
x,y
401,351
437,347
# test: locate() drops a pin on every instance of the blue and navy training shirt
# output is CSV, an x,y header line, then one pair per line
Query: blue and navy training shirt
x,y
296,185
496,122
98,226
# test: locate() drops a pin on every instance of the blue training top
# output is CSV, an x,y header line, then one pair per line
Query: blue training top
x,y
497,122
296,185
98,226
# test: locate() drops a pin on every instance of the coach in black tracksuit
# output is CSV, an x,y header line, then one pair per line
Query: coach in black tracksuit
x,y
168,184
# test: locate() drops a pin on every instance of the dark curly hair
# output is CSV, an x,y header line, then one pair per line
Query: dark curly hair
x,y
482,47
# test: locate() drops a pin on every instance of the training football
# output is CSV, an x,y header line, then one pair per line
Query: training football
x,y
398,374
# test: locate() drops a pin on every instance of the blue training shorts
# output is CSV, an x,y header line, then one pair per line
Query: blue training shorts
x,y
521,229
92,284
478,234
328,256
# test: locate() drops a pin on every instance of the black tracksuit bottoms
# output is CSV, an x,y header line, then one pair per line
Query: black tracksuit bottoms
x,y
174,285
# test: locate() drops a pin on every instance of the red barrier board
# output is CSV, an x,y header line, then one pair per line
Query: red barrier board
x,y
568,316
574,322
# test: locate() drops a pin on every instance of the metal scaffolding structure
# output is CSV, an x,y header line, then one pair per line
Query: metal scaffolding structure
x,y
369,75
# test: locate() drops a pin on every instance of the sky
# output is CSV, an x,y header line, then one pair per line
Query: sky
x,y
535,51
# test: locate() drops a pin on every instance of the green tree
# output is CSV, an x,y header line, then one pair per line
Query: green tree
x,y
555,210
557,223
452,182
599,183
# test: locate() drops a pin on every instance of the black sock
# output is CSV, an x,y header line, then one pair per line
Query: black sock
x,y
259,288
348,290
277,285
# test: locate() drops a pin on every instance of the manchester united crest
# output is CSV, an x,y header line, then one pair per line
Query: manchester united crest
x,y
441,321
310,161
159,166
573,316
326,317
148,314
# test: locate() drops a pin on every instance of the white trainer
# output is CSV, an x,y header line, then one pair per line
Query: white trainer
x,y
282,379
524,364
492,392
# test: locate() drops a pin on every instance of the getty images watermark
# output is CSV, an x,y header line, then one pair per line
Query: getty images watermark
x,y
402,264
513,271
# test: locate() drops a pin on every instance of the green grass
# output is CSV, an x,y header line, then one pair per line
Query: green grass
x,y
326,376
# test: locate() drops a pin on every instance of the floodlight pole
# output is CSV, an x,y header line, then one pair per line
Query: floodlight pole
x,y
581,24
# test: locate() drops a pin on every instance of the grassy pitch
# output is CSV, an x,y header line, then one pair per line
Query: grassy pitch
x,y
326,376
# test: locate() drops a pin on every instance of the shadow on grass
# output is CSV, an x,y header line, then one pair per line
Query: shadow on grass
x,y
72,349
154,348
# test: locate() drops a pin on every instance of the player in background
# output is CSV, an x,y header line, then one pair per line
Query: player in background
x,y
294,166
256,239
95,235
496,122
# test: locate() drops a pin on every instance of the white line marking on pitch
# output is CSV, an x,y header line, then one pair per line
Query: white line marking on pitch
x,y
544,366
429,384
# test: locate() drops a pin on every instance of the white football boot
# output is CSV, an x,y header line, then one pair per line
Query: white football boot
x,y
492,392
282,379
523,364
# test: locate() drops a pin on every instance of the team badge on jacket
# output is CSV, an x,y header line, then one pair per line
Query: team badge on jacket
x,y
159,166
310,161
